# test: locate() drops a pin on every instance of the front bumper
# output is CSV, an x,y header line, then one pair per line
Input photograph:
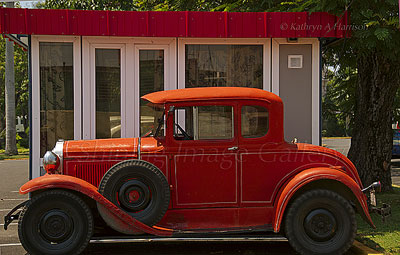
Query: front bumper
x,y
10,217
385,210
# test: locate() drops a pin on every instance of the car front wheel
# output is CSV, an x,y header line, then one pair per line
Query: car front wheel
x,y
55,222
320,222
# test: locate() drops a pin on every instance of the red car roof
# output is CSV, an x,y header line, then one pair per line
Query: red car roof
x,y
210,93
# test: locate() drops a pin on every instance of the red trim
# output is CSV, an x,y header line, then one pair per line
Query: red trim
x,y
171,24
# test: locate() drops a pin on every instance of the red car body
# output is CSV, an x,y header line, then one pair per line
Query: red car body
x,y
237,184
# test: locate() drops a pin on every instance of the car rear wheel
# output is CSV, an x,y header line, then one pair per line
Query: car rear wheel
x,y
137,187
55,222
320,222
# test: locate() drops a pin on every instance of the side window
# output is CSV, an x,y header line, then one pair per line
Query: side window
x,y
215,122
203,122
255,121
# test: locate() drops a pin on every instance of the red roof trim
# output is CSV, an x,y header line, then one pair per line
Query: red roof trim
x,y
171,24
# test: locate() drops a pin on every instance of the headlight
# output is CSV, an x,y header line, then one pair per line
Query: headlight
x,y
51,162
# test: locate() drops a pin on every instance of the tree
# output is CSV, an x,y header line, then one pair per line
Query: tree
x,y
373,52
338,101
11,142
17,90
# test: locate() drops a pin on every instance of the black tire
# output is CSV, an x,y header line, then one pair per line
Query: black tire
x,y
137,187
55,222
320,222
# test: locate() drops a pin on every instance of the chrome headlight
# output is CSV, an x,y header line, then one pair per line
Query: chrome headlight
x,y
51,162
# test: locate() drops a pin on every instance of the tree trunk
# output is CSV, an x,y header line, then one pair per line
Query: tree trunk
x,y
372,141
11,143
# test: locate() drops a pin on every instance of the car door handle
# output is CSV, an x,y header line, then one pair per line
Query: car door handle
x,y
234,148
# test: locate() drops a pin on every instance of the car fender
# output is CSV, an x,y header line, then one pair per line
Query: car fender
x,y
314,174
56,181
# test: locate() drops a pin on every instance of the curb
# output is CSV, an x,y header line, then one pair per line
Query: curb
x,y
361,249
338,137
16,158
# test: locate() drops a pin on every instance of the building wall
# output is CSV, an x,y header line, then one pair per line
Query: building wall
x,y
260,63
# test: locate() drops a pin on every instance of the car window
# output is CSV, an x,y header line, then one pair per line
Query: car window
x,y
255,121
203,122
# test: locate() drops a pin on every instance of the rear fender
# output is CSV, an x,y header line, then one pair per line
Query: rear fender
x,y
314,174
56,181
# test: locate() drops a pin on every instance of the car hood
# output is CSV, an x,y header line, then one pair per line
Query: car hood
x,y
109,147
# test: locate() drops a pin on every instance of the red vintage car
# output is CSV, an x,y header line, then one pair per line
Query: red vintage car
x,y
215,163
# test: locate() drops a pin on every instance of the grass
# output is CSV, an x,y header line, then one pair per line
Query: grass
x,y
386,237
23,153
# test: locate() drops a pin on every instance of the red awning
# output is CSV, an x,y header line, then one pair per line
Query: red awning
x,y
171,24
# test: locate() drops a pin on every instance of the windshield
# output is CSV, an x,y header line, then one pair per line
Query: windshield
x,y
151,120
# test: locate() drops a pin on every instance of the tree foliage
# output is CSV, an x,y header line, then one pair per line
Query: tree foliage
x,y
21,83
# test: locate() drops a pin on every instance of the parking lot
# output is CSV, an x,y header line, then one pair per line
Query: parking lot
x,y
13,173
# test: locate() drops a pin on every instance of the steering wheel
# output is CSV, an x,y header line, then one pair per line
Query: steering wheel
x,y
185,135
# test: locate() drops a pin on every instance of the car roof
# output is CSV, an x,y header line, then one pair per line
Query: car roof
x,y
210,93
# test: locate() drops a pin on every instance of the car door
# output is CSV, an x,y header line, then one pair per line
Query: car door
x,y
255,144
204,147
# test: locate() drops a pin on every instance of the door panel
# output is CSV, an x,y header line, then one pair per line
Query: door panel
x,y
206,179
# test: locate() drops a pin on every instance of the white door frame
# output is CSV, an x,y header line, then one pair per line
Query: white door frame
x,y
35,125
129,82
315,87
266,42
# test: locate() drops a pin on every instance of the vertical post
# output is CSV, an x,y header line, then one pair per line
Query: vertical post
x,y
11,143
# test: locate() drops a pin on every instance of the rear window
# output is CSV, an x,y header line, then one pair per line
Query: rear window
x,y
255,121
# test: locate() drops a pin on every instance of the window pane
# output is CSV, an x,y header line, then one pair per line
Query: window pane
x,y
183,124
151,78
215,122
56,94
223,65
254,121
108,93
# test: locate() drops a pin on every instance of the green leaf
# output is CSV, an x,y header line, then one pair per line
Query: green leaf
x,y
382,33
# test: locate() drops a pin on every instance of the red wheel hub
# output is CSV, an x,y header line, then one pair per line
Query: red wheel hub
x,y
134,196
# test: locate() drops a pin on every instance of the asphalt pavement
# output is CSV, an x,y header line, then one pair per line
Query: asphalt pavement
x,y
14,173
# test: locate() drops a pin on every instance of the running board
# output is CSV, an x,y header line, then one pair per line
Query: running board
x,y
190,239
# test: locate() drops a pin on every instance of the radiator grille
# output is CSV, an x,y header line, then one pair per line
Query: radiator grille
x,y
92,172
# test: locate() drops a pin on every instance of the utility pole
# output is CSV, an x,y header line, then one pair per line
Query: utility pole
x,y
11,143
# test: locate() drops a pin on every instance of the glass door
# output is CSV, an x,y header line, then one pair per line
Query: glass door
x,y
104,68
151,75
118,74
108,93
